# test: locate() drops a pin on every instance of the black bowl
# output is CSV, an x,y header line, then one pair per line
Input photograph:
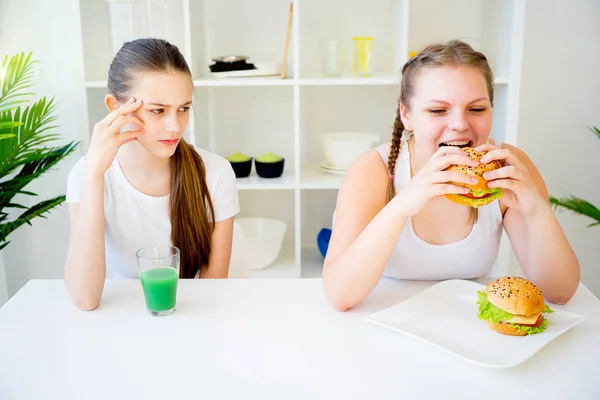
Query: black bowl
x,y
269,169
241,168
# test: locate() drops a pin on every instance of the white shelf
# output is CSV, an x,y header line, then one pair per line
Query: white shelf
x,y
312,263
285,116
277,81
312,177
248,81
254,182
392,79
284,267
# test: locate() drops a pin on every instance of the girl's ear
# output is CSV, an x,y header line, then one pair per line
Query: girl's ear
x,y
404,116
111,102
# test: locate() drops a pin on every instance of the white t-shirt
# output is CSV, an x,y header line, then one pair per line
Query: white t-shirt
x,y
133,220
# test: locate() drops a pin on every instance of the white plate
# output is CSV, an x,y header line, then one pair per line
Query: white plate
x,y
332,171
327,166
445,315
262,69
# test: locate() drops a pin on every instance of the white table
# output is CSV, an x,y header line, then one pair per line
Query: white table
x,y
262,339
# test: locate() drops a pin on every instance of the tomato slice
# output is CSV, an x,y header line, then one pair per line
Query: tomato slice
x,y
470,196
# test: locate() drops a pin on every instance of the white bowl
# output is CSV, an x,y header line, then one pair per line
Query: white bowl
x,y
341,148
263,237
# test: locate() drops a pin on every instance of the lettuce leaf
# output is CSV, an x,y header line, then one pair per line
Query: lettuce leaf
x,y
547,309
532,330
484,191
488,311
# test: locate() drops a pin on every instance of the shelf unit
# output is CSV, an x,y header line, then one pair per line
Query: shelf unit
x,y
286,116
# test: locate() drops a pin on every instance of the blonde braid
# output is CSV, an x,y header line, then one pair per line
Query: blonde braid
x,y
393,156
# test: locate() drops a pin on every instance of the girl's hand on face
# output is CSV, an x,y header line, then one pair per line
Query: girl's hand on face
x,y
432,180
519,189
106,137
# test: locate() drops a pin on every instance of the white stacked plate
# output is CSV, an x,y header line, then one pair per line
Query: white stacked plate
x,y
331,169
262,69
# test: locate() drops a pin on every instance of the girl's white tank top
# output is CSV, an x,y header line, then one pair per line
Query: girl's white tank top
x,y
415,259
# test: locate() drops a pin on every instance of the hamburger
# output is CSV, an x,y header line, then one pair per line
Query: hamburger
x,y
513,306
480,193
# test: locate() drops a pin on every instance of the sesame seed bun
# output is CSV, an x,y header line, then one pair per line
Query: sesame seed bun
x,y
515,295
506,329
481,186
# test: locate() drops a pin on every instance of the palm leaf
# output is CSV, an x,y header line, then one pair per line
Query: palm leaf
x,y
16,75
32,132
578,206
10,125
25,153
31,170
38,210
595,130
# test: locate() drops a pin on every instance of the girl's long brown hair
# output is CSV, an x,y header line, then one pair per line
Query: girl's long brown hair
x,y
191,210
455,53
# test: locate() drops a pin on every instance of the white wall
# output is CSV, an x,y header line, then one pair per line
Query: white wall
x,y
560,98
51,29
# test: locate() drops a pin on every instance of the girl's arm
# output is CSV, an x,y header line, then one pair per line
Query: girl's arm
x,y
540,244
364,234
85,268
220,253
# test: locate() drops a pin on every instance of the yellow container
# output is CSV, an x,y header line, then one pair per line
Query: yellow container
x,y
363,55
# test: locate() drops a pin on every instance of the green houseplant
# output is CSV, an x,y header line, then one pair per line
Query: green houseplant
x,y
577,205
27,144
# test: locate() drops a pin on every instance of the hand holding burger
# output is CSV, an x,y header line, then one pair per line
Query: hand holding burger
x,y
512,177
480,193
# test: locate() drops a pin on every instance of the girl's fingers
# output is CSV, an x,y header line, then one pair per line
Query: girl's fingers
x,y
448,188
116,126
452,159
125,109
486,147
445,150
509,171
453,176
510,184
128,136
500,155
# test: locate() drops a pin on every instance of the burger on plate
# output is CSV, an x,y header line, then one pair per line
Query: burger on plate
x,y
513,306
480,193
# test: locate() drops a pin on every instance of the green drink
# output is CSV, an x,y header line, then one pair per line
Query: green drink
x,y
160,288
159,274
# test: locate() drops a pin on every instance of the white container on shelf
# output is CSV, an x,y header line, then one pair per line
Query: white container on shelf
x,y
264,237
341,148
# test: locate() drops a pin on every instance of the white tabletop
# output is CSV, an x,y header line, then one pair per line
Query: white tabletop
x,y
262,339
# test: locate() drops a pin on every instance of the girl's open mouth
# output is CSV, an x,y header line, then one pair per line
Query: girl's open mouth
x,y
458,143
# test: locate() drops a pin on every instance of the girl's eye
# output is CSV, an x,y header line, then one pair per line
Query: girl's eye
x,y
478,109
157,111
184,109
437,111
